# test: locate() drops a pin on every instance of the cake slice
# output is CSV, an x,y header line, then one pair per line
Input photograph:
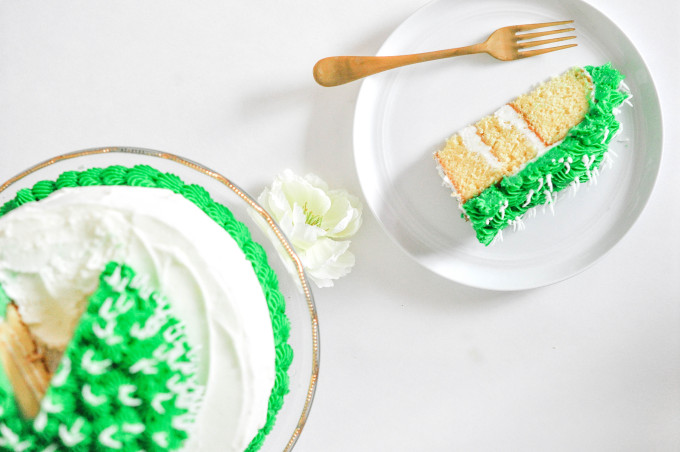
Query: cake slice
x,y
531,148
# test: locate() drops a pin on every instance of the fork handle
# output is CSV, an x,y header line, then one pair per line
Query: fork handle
x,y
334,71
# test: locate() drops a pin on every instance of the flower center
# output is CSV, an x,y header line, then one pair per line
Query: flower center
x,y
310,217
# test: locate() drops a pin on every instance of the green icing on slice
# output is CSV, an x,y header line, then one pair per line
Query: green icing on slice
x,y
576,160
127,380
147,176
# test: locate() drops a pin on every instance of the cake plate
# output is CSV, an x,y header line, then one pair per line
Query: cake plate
x,y
403,116
300,307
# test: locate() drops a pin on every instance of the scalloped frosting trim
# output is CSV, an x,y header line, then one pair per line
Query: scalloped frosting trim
x,y
576,160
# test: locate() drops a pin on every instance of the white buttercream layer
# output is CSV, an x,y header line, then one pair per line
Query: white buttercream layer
x,y
51,255
473,142
509,117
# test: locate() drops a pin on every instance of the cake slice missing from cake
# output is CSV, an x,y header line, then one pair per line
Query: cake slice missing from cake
x,y
531,148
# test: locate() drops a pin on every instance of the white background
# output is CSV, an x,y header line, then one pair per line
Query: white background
x,y
409,361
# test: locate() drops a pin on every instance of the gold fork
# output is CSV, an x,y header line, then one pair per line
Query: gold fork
x,y
503,44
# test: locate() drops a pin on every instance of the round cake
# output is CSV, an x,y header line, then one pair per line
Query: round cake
x,y
145,291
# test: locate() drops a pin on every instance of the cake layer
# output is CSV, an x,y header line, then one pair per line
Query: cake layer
x,y
508,143
52,251
467,168
499,145
26,372
557,105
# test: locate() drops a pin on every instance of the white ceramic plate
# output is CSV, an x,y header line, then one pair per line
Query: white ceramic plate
x,y
300,307
403,116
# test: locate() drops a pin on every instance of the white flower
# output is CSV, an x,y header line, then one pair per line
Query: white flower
x,y
317,221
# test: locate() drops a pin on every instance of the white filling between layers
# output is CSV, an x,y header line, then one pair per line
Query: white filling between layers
x,y
51,255
508,116
473,142
447,183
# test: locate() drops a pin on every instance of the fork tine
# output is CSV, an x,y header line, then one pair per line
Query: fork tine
x,y
543,33
526,27
530,53
524,45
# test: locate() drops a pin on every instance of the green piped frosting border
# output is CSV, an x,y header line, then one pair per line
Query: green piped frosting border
x,y
576,160
147,176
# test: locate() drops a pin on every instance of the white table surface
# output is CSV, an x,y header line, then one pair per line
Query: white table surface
x,y
409,361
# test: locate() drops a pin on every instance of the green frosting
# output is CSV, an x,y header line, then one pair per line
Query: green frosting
x,y
126,380
4,382
4,301
147,176
576,160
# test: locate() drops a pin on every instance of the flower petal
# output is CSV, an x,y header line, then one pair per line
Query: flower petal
x,y
327,260
275,202
301,234
316,181
303,193
343,219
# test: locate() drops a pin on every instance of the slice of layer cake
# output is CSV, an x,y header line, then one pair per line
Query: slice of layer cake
x,y
531,148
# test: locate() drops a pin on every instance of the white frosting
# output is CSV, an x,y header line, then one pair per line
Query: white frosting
x,y
447,182
51,255
508,116
473,142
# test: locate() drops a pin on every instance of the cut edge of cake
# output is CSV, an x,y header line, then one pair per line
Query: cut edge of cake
x,y
23,365
501,144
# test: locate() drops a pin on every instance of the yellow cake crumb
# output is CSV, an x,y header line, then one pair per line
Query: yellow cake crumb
x,y
501,144
556,106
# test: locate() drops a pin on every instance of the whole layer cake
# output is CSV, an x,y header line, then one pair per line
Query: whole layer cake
x,y
81,253
527,151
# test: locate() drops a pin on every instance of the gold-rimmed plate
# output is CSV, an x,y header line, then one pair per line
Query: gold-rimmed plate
x,y
300,307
